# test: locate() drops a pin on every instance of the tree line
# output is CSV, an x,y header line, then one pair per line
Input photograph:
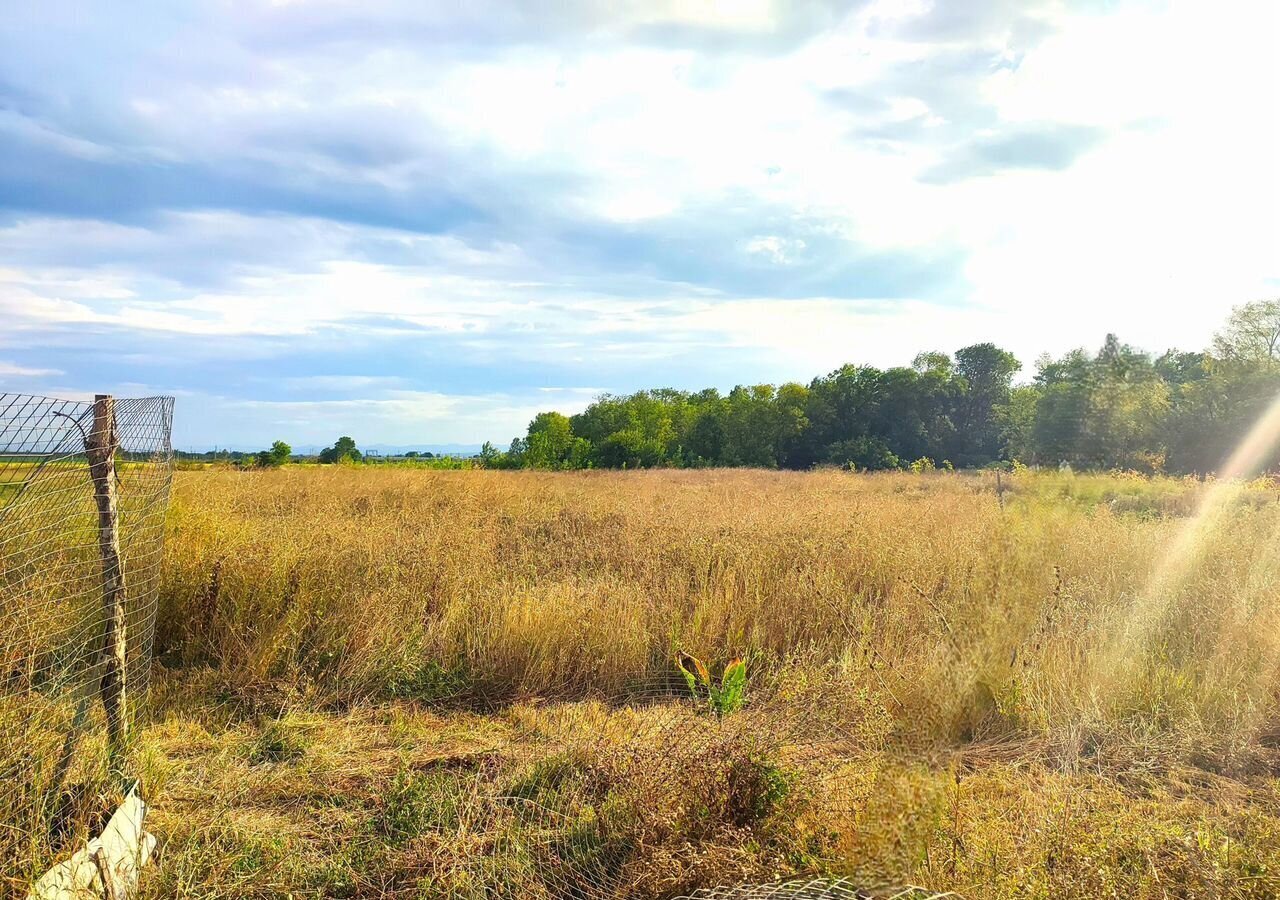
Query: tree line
x,y
1117,407
343,450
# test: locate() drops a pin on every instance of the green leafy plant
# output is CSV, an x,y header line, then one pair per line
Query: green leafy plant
x,y
724,698
922,465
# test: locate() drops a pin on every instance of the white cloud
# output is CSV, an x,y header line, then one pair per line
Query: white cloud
x,y
776,249
13,370
340,383
599,181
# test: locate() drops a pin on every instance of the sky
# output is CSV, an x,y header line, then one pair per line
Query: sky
x,y
422,223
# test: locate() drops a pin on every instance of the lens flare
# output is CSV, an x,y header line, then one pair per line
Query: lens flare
x,y
1188,543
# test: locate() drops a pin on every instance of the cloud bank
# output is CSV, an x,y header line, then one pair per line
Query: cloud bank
x,y
425,223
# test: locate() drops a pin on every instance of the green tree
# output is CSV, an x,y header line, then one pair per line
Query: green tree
x,y
1251,335
750,427
1212,414
987,374
1178,368
1128,406
704,439
790,406
549,442
638,430
1016,419
515,453
343,448
278,455
1118,407
932,361
1061,409
1103,411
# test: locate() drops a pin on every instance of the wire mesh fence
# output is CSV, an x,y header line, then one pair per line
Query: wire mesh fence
x,y
84,486
666,787
812,889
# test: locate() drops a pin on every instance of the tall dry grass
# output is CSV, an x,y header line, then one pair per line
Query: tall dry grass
x,y
1039,619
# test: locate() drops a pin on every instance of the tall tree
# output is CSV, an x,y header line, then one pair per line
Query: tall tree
x,y
1016,418
279,453
932,361
1104,411
343,448
550,441
1062,408
987,373
1251,335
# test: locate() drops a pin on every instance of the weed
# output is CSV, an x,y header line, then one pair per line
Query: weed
x,y
278,741
723,698
419,802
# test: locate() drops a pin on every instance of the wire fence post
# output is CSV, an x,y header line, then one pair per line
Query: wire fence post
x,y
84,485
101,450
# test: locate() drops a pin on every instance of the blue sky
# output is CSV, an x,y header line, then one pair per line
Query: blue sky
x,y
422,223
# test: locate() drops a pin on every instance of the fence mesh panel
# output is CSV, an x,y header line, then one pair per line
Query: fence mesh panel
x,y
53,746
656,790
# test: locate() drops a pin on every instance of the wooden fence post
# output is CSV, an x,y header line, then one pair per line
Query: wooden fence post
x,y
101,450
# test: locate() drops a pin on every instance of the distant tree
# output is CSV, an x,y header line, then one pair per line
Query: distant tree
x,y
1062,408
412,454
1251,335
987,374
343,448
791,421
643,429
1129,404
932,361
1016,419
1103,411
549,441
278,455
1178,368
515,452
750,427
705,438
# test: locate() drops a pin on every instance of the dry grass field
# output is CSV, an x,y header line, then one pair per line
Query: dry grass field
x,y
463,684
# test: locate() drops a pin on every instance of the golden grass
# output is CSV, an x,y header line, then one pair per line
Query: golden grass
x,y
364,662
971,619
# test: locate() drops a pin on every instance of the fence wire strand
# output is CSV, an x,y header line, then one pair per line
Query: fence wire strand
x,y
652,793
52,617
